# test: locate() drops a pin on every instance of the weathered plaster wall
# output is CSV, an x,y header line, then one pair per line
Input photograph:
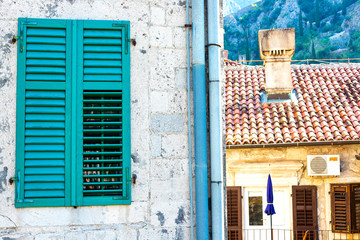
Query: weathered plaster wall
x,y
250,168
160,197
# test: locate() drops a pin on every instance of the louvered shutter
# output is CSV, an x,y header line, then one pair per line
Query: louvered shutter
x,y
106,113
355,206
42,113
234,213
305,212
340,207
73,113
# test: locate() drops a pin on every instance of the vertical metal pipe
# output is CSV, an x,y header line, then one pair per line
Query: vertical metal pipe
x,y
216,144
200,135
189,121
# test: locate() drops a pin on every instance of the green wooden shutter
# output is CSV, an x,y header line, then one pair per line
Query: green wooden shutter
x,y
106,113
42,114
73,113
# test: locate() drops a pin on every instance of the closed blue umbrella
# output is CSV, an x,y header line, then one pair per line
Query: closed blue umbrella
x,y
270,210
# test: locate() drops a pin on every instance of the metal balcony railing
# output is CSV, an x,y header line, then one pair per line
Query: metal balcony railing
x,y
289,234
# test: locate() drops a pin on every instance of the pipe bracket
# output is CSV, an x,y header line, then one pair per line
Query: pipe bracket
x,y
213,44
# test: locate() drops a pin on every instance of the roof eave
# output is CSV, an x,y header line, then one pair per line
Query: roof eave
x,y
296,144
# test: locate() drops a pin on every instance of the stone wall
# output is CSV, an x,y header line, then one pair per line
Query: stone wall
x,y
287,166
160,198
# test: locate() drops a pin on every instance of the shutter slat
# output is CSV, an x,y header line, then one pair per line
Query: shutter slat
x,y
102,145
40,125
45,48
102,160
44,194
44,140
100,41
102,63
44,163
46,32
102,34
45,55
45,63
45,40
103,77
102,49
102,176
86,153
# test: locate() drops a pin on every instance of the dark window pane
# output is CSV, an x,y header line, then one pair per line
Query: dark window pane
x,y
255,211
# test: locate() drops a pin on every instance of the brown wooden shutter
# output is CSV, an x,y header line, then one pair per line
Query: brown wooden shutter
x,y
340,207
355,207
234,213
305,212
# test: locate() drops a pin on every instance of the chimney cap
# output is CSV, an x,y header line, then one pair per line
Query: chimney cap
x,y
276,39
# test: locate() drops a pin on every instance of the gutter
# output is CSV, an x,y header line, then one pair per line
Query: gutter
x,y
200,130
215,115
188,63
298,144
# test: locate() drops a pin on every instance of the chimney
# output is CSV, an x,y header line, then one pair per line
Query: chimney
x,y
277,46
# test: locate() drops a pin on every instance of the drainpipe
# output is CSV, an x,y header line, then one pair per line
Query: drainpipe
x,y
200,135
216,144
189,120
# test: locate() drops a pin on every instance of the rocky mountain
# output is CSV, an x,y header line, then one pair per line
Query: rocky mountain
x,y
232,6
325,29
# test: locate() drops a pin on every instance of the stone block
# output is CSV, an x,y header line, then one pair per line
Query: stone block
x,y
169,168
170,213
172,57
178,101
181,78
101,234
161,37
157,15
173,189
176,16
155,146
167,123
180,37
162,77
174,146
50,236
177,233
137,212
159,101
75,235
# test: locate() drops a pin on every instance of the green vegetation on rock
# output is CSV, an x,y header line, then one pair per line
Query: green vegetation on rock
x,y
325,29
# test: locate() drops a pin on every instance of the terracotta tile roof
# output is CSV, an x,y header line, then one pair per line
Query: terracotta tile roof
x,y
328,107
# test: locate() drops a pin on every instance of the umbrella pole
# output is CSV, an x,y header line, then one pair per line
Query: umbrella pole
x,y
271,229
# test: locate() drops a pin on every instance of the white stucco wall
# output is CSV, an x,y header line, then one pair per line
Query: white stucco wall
x,y
160,198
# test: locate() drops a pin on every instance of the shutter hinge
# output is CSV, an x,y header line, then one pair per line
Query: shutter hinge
x,y
14,39
12,180
133,41
133,179
21,37
18,191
